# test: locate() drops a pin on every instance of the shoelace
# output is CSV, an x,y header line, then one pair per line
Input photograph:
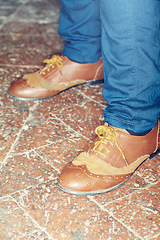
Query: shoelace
x,y
55,60
108,133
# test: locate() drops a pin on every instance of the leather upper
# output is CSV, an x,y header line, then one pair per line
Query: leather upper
x,y
53,78
110,160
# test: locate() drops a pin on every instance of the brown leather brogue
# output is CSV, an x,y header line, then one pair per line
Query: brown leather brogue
x,y
59,74
109,162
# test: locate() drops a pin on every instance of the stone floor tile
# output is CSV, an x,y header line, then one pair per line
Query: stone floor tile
x,y
28,28
39,138
6,12
62,102
11,3
31,57
16,224
38,11
88,115
139,210
28,45
67,216
20,41
132,185
150,170
148,198
10,124
94,92
59,154
44,123
22,171
42,130
54,143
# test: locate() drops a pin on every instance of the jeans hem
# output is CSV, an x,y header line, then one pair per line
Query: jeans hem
x,y
131,126
78,58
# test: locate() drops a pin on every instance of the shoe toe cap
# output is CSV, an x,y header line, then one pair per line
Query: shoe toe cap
x,y
78,180
19,88
73,179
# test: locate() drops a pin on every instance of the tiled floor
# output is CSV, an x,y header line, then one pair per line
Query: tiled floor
x,y
39,138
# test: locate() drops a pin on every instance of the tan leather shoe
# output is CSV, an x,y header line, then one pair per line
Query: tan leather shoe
x,y
58,75
109,162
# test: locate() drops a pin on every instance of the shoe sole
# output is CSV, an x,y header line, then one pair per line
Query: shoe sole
x,y
109,189
92,82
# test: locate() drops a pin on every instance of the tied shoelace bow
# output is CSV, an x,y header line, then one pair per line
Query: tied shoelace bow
x,y
106,132
55,60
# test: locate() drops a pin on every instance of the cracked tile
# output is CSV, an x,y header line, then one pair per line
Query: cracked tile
x,y
139,211
94,92
22,171
88,115
64,151
15,224
41,11
55,132
47,129
70,217
10,124
134,184
150,170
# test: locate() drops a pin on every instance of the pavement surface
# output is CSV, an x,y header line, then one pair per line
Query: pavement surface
x,y
38,138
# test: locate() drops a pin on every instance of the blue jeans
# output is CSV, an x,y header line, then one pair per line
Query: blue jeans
x,y
126,33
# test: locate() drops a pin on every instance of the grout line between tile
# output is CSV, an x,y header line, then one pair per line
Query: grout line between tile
x,y
152,210
6,7
57,170
112,215
69,127
18,135
16,10
42,229
91,99
6,196
27,188
154,237
130,194
49,144
127,195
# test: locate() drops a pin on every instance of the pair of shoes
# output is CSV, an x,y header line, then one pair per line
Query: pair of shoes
x,y
109,162
59,74
114,155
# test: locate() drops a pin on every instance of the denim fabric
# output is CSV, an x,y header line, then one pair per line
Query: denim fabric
x,y
131,55
127,34
80,27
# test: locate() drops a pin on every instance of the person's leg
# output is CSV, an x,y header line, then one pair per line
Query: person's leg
x,y
80,28
131,51
131,56
81,62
